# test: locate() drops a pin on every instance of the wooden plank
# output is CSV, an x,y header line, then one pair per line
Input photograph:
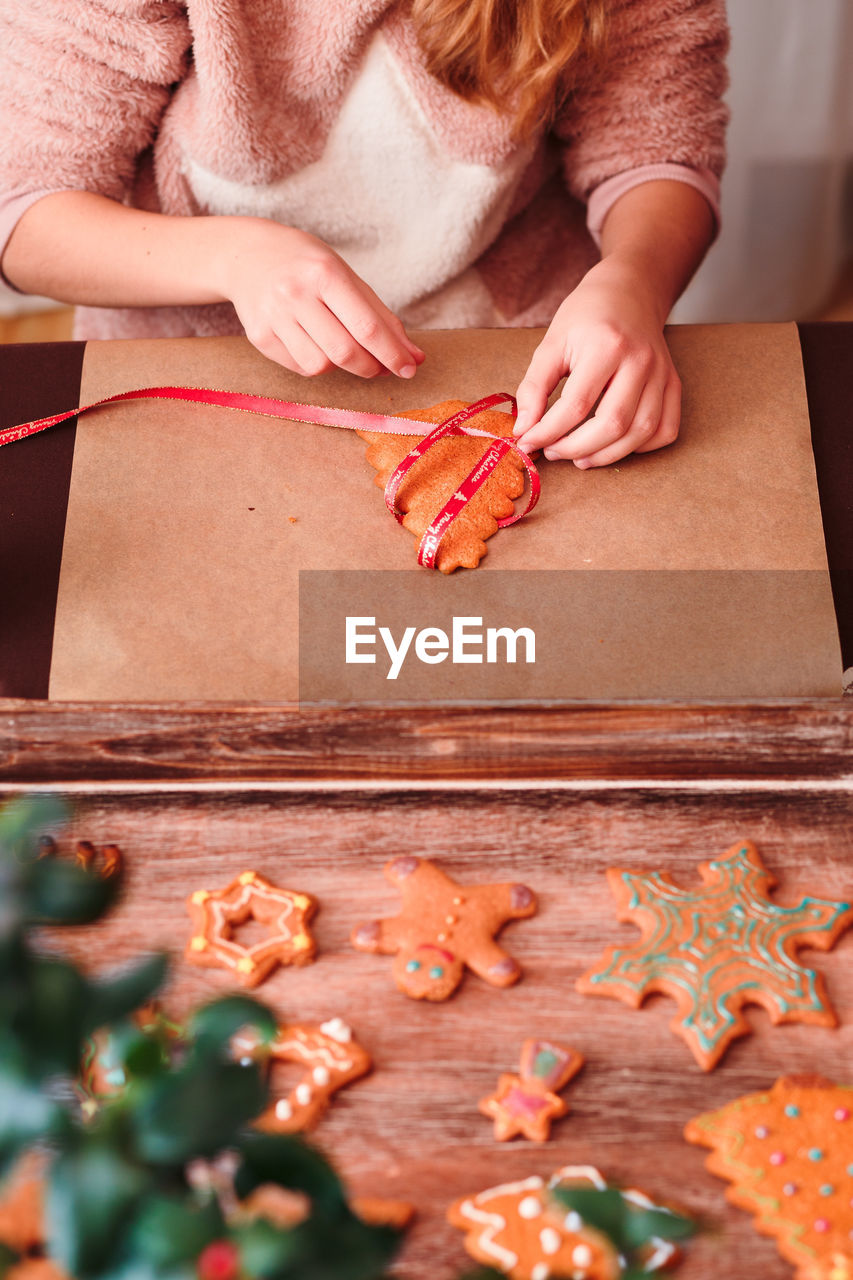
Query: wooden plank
x,y
411,1130
102,744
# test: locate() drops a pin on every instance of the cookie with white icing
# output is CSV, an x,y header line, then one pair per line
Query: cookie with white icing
x,y
521,1231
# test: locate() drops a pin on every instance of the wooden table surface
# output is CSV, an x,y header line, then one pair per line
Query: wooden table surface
x,y
320,800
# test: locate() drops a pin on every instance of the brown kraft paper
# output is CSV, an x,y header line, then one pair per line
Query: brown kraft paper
x,y
187,525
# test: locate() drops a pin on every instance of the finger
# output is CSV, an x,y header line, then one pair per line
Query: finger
x,y
338,344
373,326
614,415
547,366
271,346
308,359
582,388
670,418
643,427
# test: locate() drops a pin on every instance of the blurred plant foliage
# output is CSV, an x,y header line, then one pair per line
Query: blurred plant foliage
x,y
119,1203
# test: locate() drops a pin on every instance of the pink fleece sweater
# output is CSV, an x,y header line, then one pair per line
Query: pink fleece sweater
x,y
324,118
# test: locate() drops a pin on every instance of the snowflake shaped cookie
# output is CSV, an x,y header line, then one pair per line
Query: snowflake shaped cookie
x,y
717,948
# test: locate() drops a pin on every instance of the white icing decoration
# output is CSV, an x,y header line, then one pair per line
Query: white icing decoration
x,y
303,1094
581,1255
492,1224
246,1062
283,1110
540,1271
549,1238
321,1076
337,1029
573,1221
530,1207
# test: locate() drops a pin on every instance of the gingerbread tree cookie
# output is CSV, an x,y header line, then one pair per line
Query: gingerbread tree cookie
x,y
789,1156
217,913
520,1230
438,474
718,948
527,1103
443,928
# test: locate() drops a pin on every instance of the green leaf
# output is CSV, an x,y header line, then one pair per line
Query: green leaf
x,y
644,1224
25,818
109,1000
8,1258
61,892
51,1023
217,1022
91,1192
288,1161
352,1250
27,1114
197,1110
265,1250
170,1231
604,1210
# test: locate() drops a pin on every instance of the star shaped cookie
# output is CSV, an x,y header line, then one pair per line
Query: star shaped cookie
x,y
527,1103
216,913
443,928
718,948
788,1153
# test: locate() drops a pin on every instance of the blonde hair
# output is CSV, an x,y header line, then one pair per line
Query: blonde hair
x,y
514,55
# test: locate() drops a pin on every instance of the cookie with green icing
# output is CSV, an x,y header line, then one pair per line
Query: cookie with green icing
x,y
717,948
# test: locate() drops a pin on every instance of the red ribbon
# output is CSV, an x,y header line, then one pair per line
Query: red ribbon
x,y
354,420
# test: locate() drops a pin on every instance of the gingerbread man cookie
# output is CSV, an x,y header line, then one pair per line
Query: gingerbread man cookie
x,y
717,948
216,913
521,1231
788,1153
332,1058
444,927
527,1103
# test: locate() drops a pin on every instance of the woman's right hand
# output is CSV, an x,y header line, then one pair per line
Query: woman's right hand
x,y
302,306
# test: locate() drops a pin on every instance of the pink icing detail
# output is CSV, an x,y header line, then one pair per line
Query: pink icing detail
x,y
822,1224
842,1113
790,1188
520,896
777,1157
519,1103
762,1131
405,866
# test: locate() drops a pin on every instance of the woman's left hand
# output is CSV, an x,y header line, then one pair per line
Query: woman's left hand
x,y
622,394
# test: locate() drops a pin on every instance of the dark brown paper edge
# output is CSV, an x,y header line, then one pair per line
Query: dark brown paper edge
x,y
35,478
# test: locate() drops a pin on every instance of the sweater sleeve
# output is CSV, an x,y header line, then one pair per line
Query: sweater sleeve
x,y
84,85
654,97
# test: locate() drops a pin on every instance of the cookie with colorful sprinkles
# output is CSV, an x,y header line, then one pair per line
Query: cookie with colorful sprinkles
x,y
717,948
788,1154
520,1230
